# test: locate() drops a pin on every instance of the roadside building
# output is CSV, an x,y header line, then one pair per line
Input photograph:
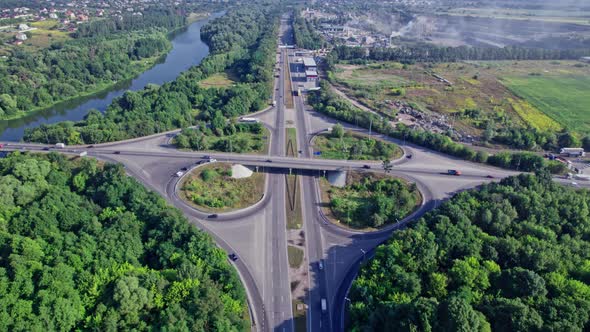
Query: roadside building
x,y
23,27
311,75
53,16
573,152
309,64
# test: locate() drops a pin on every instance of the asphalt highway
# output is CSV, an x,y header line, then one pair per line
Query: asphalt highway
x,y
258,234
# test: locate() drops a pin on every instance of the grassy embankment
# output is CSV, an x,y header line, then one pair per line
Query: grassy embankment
x,y
294,217
354,146
369,201
211,188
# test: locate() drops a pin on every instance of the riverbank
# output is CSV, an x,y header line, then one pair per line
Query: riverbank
x,y
142,66
138,67
187,50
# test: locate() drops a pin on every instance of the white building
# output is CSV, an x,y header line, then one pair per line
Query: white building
x,y
23,27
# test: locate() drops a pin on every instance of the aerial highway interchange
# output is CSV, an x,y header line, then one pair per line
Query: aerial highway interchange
x,y
257,235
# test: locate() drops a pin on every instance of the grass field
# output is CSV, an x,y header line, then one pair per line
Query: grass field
x,y
295,256
211,188
543,15
354,146
497,93
218,80
565,98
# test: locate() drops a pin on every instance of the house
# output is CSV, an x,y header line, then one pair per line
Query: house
x,y
23,27
53,16
82,18
21,36
18,42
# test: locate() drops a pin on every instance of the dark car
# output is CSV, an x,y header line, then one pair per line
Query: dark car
x,y
184,169
366,166
409,156
490,176
90,146
46,148
212,216
117,152
206,157
233,257
268,160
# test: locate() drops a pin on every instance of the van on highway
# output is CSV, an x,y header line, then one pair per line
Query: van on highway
x,y
324,305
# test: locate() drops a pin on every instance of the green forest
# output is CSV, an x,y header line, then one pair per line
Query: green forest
x,y
31,81
84,247
370,202
509,256
243,40
223,136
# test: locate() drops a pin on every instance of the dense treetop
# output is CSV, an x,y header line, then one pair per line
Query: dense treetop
x,y
84,247
513,256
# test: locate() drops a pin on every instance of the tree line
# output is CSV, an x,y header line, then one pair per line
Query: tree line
x,y
85,247
434,53
160,18
324,101
182,102
305,34
508,256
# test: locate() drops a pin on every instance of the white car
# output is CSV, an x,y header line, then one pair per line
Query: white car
x,y
179,174
212,160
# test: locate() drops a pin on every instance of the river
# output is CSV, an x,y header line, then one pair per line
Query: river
x,y
187,50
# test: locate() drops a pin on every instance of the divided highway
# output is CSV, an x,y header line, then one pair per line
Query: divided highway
x,y
258,234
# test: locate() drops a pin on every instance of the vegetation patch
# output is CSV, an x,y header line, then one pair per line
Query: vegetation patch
x,y
219,80
340,144
370,200
85,247
476,97
563,98
294,217
511,256
295,256
228,137
212,188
